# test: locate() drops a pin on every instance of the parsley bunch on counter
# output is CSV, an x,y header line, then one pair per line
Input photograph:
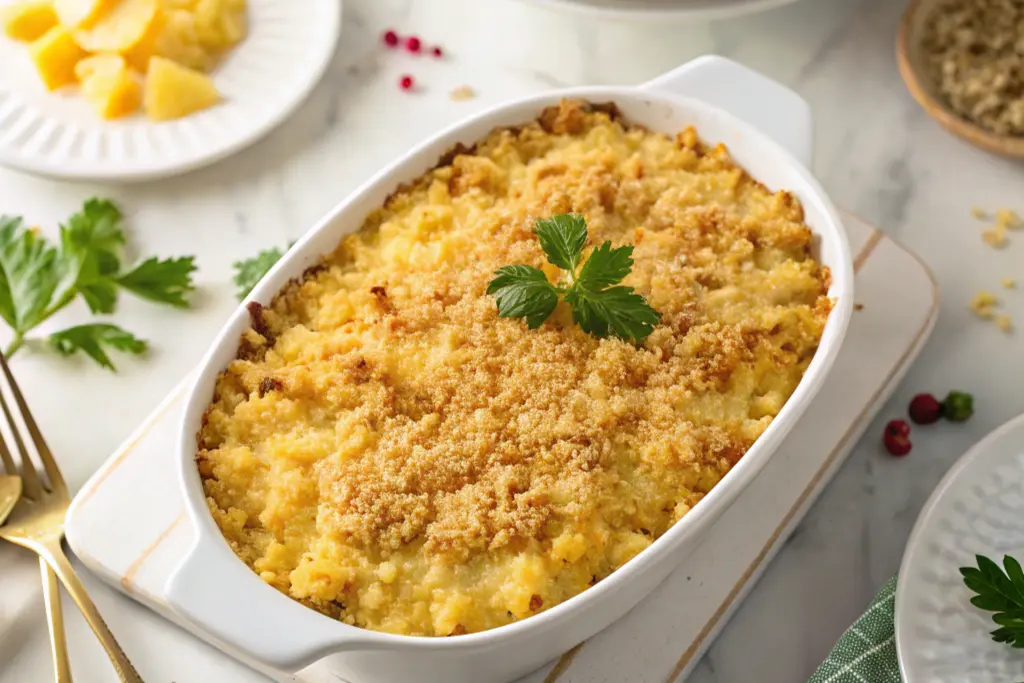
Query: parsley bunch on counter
x,y
38,279
600,305
250,271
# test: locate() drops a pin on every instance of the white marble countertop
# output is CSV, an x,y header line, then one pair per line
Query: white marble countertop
x,y
877,154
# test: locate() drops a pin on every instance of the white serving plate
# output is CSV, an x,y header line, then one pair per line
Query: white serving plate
x,y
662,10
768,130
977,508
263,80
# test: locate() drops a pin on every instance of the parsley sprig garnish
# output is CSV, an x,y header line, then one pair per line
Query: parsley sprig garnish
x,y
1001,593
600,305
38,279
248,272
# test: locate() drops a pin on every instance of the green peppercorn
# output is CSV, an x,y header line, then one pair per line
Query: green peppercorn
x,y
958,406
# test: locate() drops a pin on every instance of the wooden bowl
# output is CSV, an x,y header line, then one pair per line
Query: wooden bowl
x,y
914,70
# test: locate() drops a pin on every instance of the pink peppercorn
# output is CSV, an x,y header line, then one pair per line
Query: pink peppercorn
x,y
406,82
437,51
413,44
390,38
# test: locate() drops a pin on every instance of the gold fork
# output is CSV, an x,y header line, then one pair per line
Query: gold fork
x,y
10,492
37,523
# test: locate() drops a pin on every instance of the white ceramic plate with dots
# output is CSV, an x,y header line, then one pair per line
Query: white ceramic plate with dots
x,y
262,80
977,508
663,10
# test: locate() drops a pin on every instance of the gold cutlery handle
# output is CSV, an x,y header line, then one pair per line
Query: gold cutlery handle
x,y
55,622
58,561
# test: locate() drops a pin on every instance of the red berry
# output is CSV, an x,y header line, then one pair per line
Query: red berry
x,y
390,38
897,438
406,82
437,51
413,44
925,409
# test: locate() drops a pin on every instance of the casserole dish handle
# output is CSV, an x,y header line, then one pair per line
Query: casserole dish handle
x,y
771,107
212,588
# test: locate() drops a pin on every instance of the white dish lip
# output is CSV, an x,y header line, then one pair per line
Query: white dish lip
x,y
308,251
620,12
979,450
156,168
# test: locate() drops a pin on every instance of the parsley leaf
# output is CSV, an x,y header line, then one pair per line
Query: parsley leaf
x,y
29,275
524,292
562,238
619,310
91,340
38,279
606,266
1001,593
166,281
600,306
89,244
250,271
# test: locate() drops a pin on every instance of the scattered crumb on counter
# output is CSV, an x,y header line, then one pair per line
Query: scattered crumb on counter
x,y
1008,218
1009,283
995,238
1004,220
1004,323
858,307
463,92
983,303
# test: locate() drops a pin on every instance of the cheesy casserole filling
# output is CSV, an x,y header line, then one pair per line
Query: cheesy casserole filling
x,y
388,451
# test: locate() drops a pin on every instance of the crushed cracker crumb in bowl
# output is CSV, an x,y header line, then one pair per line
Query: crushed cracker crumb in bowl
x,y
962,62
389,482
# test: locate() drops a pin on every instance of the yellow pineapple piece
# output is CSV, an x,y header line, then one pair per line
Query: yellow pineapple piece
x,y
138,54
173,90
109,86
55,55
175,38
125,25
74,14
220,23
104,61
28,20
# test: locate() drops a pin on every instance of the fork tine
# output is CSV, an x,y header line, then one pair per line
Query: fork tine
x,y
45,454
31,485
6,459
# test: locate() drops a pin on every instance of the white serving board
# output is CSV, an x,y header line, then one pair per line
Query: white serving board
x,y
128,523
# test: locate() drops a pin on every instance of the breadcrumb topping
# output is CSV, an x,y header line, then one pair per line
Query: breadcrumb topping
x,y
388,451
976,61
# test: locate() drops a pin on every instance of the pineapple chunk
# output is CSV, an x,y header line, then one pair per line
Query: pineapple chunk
x,y
124,26
220,23
138,54
173,91
74,14
102,62
109,86
29,19
174,38
55,56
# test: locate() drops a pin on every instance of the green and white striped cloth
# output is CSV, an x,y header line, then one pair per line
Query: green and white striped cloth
x,y
866,653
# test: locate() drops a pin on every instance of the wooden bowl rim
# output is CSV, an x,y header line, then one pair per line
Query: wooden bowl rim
x,y
938,110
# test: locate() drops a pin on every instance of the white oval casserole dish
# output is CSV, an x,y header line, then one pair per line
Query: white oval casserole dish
x,y
767,129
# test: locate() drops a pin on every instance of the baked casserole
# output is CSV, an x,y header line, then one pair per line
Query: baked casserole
x,y
388,451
